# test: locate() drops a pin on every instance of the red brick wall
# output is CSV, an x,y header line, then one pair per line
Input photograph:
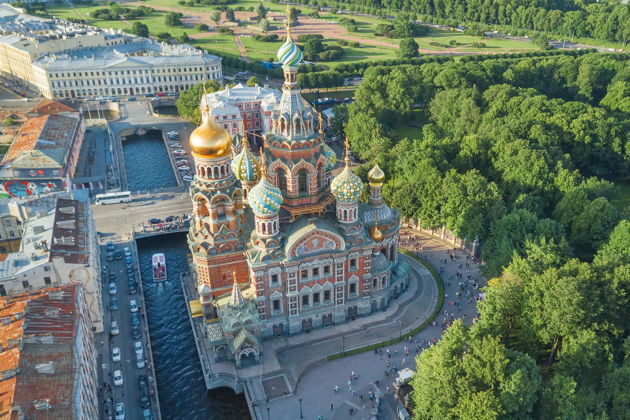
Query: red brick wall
x,y
216,271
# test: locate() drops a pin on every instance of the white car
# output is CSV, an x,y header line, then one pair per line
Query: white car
x,y
118,379
139,361
188,178
180,151
127,252
133,305
112,288
116,354
115,329
138,347
120,411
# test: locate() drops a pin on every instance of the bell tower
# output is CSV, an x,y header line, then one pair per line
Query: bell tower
x,y
218,214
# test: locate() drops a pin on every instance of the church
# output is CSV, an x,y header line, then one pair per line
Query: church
x,y
280,246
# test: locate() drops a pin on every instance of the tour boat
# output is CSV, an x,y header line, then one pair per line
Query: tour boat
x,y
159,267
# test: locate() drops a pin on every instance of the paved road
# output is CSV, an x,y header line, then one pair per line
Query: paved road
x,y
128,393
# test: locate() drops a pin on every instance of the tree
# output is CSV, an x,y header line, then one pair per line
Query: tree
x,y
140,29
260,11
468,377
229,15
253,81
202,27
188,101
215,16
312,47
164,36
293,16
264,25
408,48
183,38
339,120
173,19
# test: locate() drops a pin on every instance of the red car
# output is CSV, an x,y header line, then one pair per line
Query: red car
x,y
160,94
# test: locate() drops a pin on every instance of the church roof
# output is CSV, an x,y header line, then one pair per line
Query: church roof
x,y
241,338
215,332
304,225
380,264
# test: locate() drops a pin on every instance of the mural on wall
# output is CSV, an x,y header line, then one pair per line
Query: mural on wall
x,y
16,188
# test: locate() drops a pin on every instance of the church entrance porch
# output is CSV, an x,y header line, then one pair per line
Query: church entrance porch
x,y
352,313
327,320
374,306
278,329
307,324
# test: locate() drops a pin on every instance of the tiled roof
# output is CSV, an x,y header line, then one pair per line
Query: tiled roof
x,y
69,232
48,107
33,159
50,312
44,133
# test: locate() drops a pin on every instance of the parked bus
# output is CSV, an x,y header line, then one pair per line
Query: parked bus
x,y
113,197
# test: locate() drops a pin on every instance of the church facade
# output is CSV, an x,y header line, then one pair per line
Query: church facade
x,y
278,245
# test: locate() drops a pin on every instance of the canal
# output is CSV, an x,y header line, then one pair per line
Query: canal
x,y
181,387
147,162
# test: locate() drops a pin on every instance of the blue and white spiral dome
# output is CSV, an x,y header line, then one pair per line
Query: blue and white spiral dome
x,y
289,53
265,199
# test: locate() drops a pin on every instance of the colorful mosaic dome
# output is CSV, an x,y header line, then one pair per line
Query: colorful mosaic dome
x,y
265,199
245,166
331,157
289,53
376,175
346,187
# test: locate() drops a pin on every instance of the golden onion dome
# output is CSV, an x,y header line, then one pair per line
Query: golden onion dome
x,y
209,140
376,175
376,234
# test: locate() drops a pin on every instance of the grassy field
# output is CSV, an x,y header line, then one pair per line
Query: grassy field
x,y
621,199
412,129
219,44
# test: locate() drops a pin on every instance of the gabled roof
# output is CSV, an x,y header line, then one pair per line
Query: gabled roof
x,y
48,107
241,338
35,159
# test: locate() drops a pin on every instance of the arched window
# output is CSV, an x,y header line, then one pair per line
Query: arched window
x,y
345,214
264,228
302,181
282,181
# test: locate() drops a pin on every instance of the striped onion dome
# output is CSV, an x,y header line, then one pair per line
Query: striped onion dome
x,y
289,53
331,157
245,166
265,198
346,187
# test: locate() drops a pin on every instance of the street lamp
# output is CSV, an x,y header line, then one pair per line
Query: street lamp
x,y
268,409
301,415
400,336
343,344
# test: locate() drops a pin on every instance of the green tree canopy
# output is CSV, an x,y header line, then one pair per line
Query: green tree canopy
x,y
188,101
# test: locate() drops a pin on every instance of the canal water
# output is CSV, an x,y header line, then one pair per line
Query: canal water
x,y
181,387
147,162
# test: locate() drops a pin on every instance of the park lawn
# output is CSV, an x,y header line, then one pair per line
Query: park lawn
x,y
621,199
361,53
218,44
260,51
492,44
155,20
412,128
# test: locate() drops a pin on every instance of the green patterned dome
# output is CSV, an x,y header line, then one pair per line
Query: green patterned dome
x,y
289,53
265,199
331,157
346,187
246,166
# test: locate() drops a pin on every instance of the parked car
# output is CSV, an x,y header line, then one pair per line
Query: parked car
x,y
112,288
138,347
132,289
118,255
154,221
110,246
135,319
112,277
172,94
116,354
149,95
145,402
142,382
160,94
146,414
188,178
135,332
133,305
120,411
128,260
140,361
110,256
115,329
127,252
118,378
113,304
131,99
180,151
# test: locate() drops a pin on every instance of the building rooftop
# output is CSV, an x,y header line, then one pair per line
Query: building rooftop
x,y
50,107
226,101
45,133
141,53
37,362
